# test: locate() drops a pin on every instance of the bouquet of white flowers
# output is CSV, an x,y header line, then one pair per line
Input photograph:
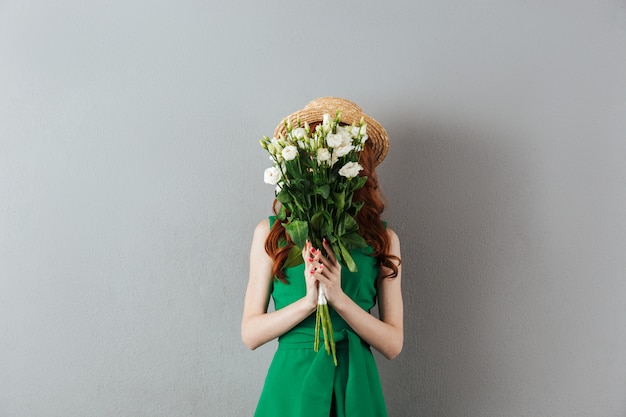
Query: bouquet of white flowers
x,y
316,174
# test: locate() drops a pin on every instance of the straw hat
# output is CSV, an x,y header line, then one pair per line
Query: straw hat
x,y
314,112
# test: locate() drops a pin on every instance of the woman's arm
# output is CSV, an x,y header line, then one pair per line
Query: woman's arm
x,y
257,325
385,334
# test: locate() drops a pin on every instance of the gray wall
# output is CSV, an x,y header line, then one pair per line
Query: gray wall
x,y
131,181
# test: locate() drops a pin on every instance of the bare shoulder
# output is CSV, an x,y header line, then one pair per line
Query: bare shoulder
x,y
392,235
263,228
394,240
386,274
258,255
261,232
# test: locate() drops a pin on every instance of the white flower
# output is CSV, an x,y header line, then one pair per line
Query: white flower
x,y
271,175
290,152
323,155
354,131
343,150
350,170
299,133
363,130
364,139
334,140
346,136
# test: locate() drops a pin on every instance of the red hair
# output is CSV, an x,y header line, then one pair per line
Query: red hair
x,y
371,227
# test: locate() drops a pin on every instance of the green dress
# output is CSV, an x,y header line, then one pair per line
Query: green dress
x,y
304,383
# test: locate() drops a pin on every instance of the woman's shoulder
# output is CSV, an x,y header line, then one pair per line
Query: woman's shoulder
x,y
394,242
263,227
392,235
261,232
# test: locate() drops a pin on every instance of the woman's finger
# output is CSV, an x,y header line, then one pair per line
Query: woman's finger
x,y
329,250
326,263
306,251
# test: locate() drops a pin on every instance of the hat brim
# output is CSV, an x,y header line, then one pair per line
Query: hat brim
x,y
350,113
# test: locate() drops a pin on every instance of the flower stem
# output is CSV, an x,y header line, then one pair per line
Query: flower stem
x,y
318,320
322,319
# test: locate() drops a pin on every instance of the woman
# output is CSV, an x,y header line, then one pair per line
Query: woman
x,y
300,381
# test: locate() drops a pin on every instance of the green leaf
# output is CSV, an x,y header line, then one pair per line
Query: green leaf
x,y
350,223
334,244
282,213
294,258
340,200
298,231
353,240
347,258
321,223
346,225
358,182
323,190
292,168
284,196
355,207
300,208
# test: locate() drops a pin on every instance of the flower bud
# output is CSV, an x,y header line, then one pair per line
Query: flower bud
x,y
326,120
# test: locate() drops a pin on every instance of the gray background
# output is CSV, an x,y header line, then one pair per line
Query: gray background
x,y
131,181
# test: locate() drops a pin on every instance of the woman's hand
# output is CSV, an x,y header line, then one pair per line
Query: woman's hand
x,y
329,274
311,265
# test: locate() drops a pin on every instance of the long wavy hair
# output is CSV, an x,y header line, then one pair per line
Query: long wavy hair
x,y
371,226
